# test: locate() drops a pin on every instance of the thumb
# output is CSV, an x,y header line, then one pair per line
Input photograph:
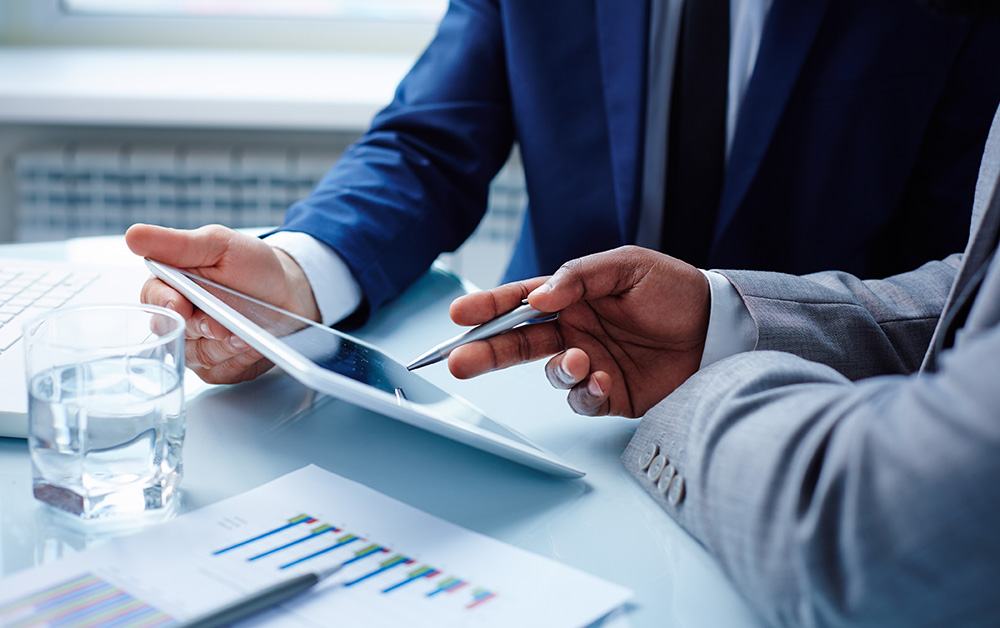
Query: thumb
x,y
202,247
592,277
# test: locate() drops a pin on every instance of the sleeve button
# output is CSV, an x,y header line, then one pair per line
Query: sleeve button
x,y
656,468
676,494
647,455
663,485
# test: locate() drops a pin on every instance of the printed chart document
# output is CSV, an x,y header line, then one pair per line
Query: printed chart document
x,y
402,567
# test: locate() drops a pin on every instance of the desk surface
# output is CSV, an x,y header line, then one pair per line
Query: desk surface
x,y
239,437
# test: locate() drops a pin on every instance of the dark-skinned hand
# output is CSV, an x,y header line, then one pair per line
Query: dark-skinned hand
x,y
631,328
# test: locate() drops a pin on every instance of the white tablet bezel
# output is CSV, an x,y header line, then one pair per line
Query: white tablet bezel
x,y
342,387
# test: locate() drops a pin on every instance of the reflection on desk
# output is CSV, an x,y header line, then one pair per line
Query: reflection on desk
x,y
239,437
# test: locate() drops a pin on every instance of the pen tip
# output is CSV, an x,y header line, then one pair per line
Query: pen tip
x,y
423,361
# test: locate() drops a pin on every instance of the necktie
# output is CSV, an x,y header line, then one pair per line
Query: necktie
x,y
697,133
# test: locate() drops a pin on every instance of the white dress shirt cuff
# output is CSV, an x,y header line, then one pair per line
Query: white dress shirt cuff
x,y
336,291
731,329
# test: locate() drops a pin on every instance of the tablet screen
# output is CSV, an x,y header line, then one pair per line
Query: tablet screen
x,y
336,352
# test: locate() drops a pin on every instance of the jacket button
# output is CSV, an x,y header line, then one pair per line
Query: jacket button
x,y
676,494
668,475
647,455
656,468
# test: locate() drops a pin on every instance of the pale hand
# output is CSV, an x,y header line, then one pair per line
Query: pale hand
x,y
237,260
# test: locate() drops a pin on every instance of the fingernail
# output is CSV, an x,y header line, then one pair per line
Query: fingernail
x,y
542,289
594,388
237,343
205,330
564,375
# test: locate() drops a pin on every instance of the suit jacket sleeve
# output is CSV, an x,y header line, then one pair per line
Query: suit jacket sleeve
x,y
416,183
861,328
831,503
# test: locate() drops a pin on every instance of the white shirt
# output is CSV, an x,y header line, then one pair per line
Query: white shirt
x,y
731,329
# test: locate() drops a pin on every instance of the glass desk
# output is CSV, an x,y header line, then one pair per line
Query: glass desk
x,y
241,436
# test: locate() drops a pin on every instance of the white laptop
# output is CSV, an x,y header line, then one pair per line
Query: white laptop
x,y
29,288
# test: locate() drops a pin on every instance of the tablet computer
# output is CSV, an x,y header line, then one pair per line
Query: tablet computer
x,y
345,367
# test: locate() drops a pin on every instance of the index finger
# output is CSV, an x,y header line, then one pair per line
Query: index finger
x,y
156,292
516,346
198,323
479,307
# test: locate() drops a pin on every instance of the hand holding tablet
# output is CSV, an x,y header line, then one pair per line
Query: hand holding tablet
x,y
340,365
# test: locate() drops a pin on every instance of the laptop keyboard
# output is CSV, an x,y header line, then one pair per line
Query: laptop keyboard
x,y
27,291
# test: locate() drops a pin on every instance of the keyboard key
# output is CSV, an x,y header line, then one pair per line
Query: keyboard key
x,y
12,331
33,292
52,278
28,292
78,281
9,334
52,302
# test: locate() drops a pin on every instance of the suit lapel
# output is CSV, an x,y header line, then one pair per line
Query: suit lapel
x,y
982,240
788,35
978,255
623,70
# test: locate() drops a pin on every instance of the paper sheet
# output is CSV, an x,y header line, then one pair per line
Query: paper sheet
x,y
402,567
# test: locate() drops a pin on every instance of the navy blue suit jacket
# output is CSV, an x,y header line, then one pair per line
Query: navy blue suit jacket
x,y
856,148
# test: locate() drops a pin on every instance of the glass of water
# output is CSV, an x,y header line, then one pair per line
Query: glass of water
x,y
106,409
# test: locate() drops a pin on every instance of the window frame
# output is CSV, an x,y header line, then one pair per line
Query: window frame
x,y
274,9
44,22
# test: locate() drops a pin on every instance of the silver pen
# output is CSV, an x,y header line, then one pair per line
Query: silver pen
x,y
488,329
260,600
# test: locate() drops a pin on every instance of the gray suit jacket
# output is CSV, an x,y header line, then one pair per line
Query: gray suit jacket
x,y
833,498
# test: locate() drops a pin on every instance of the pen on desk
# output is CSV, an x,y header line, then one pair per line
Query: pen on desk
x,y
496,326
259,601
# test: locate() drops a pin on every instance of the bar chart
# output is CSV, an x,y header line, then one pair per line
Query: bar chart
x,y
85,601
302,539
397,566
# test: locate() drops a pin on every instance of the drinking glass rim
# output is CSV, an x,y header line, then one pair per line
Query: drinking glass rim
x,y
167,338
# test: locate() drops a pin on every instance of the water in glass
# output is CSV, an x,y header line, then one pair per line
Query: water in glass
x,y
106,436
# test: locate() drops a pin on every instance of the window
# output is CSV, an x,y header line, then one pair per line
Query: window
x,y
396,10
353,26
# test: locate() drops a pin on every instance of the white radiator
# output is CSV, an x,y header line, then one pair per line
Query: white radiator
x,y
80,190
85,190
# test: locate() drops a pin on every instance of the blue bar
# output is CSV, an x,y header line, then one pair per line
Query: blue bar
x,y
261,536
293,543
321,552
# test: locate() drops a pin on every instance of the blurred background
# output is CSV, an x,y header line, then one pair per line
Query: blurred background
x,y
190,112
